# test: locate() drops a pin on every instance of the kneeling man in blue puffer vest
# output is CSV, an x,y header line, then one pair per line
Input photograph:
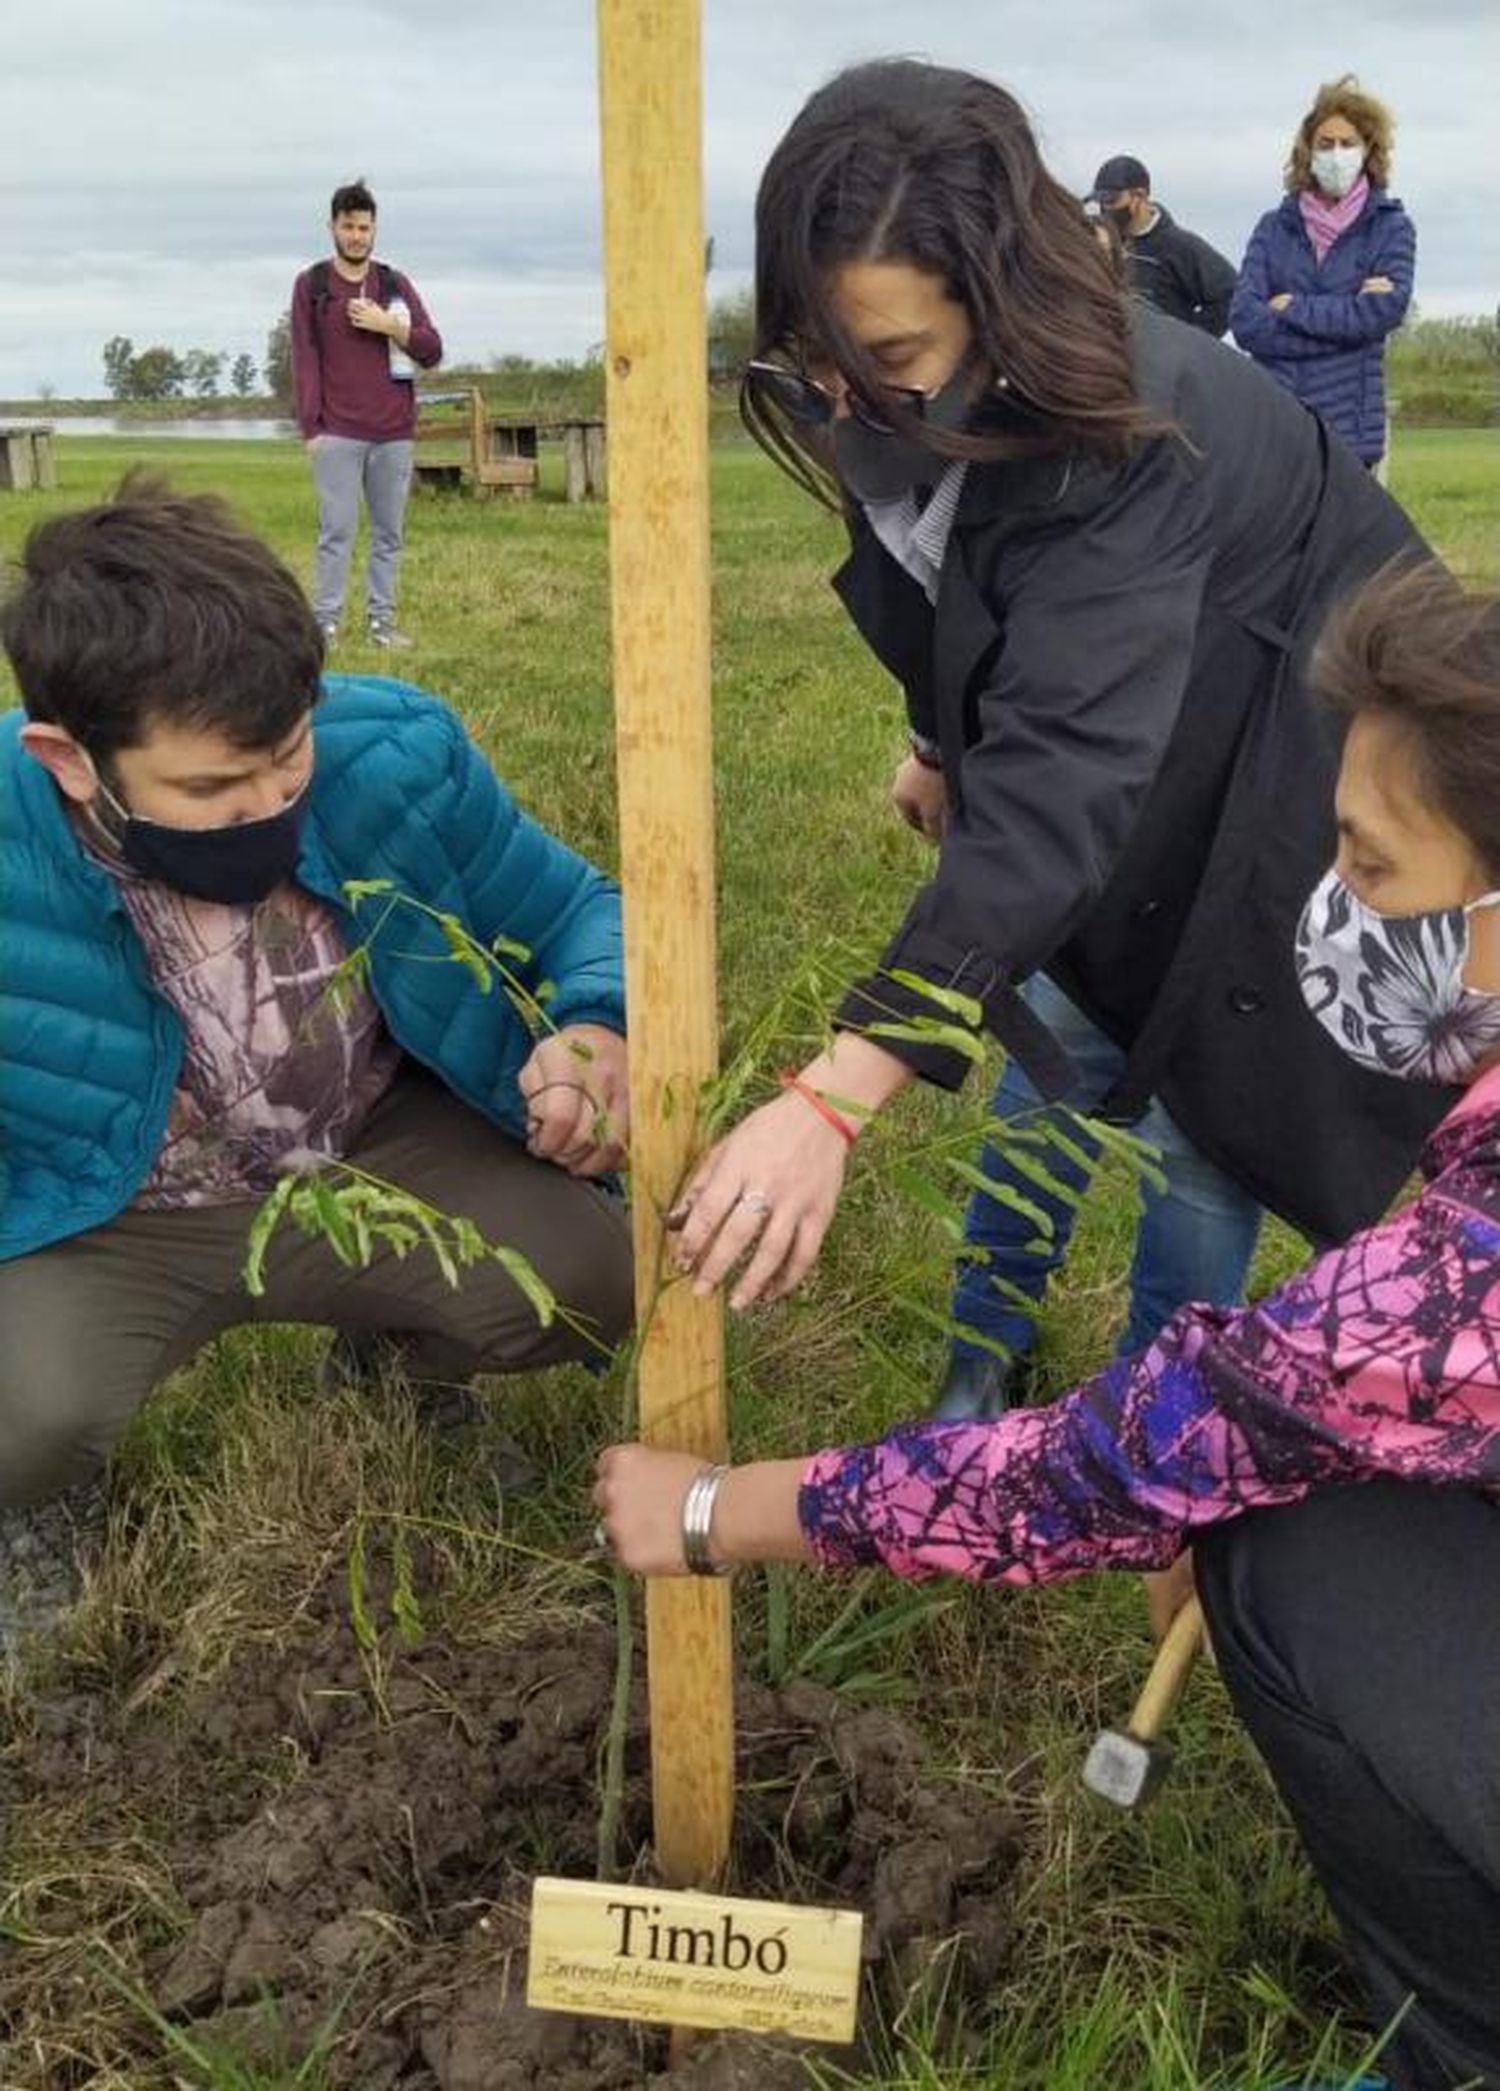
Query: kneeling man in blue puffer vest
x,y
197,831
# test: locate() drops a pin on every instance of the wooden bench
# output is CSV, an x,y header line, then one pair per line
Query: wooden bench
x,y
489,459
26,460
500,453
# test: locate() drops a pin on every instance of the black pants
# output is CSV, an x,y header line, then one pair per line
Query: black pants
x,y
1359,1636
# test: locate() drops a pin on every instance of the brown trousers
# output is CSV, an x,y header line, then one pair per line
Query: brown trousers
x,y
93,1324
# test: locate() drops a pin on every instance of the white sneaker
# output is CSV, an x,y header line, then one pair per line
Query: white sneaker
x,y
382,632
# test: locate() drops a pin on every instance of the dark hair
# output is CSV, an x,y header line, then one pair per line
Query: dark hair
x,y
1414,648
351,196
903,161
157,606
1369,116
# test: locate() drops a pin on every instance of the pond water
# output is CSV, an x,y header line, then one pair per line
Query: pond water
x,y
229,429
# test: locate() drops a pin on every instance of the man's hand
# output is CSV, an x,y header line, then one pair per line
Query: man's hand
x,y
1380,285
371,318
1279,303
920,796
577,1098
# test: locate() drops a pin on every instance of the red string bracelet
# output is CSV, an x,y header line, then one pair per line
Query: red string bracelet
x,y
790,1079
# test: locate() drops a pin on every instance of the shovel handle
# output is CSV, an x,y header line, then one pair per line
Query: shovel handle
x,y
1180,1648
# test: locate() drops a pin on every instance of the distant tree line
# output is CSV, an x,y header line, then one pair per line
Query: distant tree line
x,y
580,383
165,373
1441,370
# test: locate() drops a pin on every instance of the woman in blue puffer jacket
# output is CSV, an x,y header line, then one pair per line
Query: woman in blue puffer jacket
x,y
1328,275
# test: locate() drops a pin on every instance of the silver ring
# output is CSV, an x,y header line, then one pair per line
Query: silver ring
x,y
755,1201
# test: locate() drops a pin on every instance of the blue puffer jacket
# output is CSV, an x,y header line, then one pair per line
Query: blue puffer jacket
x,y
1328,345
89,1052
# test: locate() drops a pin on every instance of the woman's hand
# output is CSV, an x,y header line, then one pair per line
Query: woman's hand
x,y
638,1495
1379,285
764,1195
1279,303
920,796
577,1095
763,1198
639,1492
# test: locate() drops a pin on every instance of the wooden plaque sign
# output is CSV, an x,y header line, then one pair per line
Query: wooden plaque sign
x,y
694,1960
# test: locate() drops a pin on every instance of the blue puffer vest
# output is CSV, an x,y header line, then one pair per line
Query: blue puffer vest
x,y
1328,345
89,1052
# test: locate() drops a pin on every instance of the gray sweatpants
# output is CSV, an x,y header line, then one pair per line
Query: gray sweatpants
x,y
341,468
93,1323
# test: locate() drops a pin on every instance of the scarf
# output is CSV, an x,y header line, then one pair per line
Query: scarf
x,y
1325,219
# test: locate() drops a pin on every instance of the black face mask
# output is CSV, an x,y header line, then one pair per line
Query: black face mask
x,y
1119,216
235,865
883,464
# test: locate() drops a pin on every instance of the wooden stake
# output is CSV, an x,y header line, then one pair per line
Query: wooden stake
x,y
657,414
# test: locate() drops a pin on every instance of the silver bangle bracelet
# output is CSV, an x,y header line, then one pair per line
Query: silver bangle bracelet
x,y
697,1516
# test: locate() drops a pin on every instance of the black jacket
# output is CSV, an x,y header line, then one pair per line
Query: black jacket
x,y
1180,274
1140,783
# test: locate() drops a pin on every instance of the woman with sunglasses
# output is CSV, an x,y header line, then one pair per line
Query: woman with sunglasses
x,y
1332,1455
1089,543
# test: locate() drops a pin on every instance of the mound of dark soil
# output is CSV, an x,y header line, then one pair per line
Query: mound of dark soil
x,y
361,1862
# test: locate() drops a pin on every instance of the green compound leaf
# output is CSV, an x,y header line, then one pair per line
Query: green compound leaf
x,y
932,1034
262,1227
543,1299
929,1196
1003,1194
964,1007
465,952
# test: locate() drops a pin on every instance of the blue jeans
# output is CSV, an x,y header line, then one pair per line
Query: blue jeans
x,y
1195,1241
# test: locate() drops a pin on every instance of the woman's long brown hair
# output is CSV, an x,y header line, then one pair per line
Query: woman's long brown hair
x,y
902,161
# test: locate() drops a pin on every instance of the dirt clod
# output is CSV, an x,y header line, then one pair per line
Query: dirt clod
x,y
353,1853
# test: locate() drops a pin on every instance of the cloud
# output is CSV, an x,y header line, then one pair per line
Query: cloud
x,y
168,184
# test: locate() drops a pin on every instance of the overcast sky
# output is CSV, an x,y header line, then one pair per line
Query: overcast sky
x,y
165,165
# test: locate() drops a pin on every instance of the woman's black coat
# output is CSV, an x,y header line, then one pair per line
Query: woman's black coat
x,y
1140,781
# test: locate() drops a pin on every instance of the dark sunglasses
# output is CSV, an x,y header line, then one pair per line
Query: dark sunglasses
x,y
811,405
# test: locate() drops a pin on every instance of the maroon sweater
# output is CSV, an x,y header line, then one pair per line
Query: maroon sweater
x,y
341,374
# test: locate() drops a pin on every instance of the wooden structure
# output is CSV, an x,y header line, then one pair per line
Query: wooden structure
x,y
490,458
583,456
657,402
500,453
26,459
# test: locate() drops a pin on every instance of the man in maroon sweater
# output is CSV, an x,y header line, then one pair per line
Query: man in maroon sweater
x,y
359,332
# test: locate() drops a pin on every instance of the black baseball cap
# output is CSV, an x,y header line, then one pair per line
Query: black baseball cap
x,y
1122,172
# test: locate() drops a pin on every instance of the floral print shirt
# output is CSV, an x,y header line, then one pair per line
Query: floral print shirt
x,y
1381,1357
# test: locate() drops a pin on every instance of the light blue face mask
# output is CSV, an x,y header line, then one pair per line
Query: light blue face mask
x,y
1389,989
1337,168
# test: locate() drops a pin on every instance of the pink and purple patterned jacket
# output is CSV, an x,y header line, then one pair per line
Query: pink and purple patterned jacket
x,y
1381,1357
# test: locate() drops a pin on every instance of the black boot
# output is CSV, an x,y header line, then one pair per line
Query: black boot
x,y
975,1389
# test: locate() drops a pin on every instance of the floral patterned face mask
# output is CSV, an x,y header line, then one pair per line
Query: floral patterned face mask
x,y
1389,988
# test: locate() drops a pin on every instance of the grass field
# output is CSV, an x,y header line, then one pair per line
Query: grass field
x,y
1180,1952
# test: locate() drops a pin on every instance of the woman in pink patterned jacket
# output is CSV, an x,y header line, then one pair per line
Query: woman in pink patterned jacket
x,y
1332,1453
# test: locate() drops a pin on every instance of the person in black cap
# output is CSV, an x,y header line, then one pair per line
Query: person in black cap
x,y
1172,268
